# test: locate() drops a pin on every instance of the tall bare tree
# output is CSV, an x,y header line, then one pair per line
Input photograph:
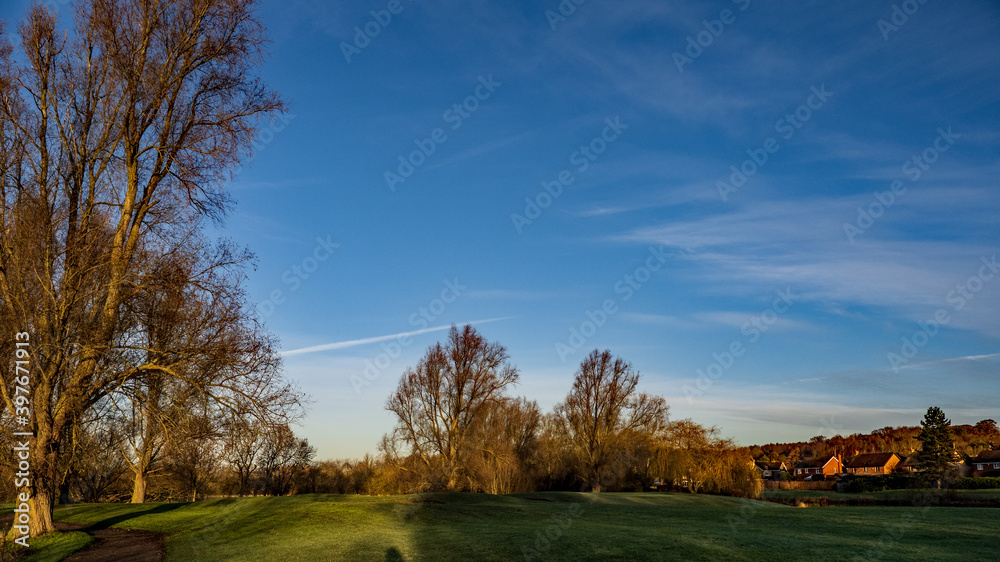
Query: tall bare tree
x,y
603,415
440,403
115,143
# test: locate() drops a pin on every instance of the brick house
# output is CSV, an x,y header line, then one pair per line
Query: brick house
x,y
987,463
826,466
872,463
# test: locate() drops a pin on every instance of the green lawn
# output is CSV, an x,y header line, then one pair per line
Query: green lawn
x,y
886,495
578,527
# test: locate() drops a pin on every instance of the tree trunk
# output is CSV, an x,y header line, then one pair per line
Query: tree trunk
x,y
139,488
64,493
40,507
43,481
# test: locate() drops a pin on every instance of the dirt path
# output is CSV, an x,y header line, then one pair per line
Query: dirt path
x,y
112,545
117,545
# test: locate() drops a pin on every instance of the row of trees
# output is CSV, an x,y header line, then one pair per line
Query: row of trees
x,y
116,139
458,429
205,457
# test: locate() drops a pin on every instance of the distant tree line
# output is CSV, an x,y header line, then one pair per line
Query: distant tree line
x,y
459,429
935,444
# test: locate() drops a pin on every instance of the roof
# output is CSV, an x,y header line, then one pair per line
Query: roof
x,y
987,456
816,462
769,465
871,459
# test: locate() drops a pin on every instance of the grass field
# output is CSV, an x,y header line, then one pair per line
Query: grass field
x,y
547,526
907,496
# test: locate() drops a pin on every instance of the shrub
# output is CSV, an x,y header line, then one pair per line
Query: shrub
x,y
977,483
882,482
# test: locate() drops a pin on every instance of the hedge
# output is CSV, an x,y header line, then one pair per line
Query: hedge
x,y
977,483
883,482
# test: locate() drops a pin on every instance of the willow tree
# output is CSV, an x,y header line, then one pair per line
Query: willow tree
x,y
116,140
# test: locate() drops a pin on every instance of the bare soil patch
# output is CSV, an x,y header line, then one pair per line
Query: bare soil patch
x,y
118,545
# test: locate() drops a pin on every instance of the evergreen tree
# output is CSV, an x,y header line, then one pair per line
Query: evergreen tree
x,y
937,445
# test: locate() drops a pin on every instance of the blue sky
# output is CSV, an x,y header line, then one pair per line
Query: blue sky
x,y
702,209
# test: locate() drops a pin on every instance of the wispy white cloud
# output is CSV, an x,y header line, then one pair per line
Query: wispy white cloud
x,y
376,339
968,358
709,319
512,294
482,149
802,244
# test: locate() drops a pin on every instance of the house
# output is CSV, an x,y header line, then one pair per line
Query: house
x,y
771,470
987,463
824,466
911,464
872,463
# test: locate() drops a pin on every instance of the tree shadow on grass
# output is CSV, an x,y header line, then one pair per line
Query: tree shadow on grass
x,y
111,521
394,555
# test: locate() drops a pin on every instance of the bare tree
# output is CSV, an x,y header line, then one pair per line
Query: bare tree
x,y
440,403
114,144
194,459
244,440
282,457
98,468
602,412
